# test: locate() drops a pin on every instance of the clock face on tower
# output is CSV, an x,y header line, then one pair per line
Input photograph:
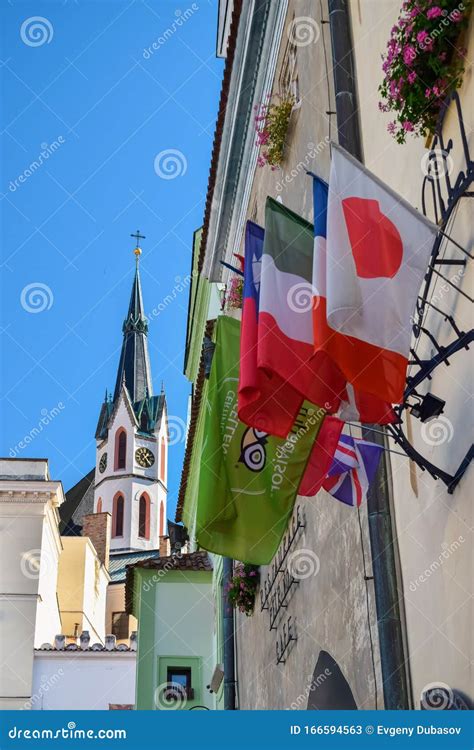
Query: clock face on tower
x,y
103,463
144,457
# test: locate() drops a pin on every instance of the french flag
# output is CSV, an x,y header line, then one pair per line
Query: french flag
x,y
353,468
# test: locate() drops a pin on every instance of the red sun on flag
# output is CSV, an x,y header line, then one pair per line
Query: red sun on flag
x,y
375,240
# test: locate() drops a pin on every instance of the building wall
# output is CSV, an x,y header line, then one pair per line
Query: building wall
x,y
77,681
332,608
28,570
432,526
82,589
116,603
175,628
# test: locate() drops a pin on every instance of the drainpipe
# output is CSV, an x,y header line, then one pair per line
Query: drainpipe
x,y
393,657
228,633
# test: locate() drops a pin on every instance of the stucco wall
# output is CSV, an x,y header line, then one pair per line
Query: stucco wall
x,y
433,527
330,608
116,603
82,681
175,620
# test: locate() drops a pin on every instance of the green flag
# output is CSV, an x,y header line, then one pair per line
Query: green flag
x,y
248,480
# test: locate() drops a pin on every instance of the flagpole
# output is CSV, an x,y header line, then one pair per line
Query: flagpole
x,y
379,432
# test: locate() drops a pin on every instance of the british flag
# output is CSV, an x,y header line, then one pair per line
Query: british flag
x,y
353,468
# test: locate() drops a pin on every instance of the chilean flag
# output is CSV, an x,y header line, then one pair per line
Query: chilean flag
x,y
356,405
367,278
353,468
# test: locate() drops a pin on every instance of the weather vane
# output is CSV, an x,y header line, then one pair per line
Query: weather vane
x,y
137,236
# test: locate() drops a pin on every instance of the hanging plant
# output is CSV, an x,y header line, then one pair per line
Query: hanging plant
x,y
423,64
242,588
271,124
234,293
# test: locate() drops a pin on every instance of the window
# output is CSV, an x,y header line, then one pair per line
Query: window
x,y
120,625
120,449
99,505
144,420
117,515
162,460
179,683
144,517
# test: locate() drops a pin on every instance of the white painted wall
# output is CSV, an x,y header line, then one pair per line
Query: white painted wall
x,y
433,527
28,570
81,681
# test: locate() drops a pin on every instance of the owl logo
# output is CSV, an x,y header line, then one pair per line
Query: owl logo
x,y
252,449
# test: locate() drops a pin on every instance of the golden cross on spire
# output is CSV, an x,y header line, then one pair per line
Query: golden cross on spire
x,y
138,251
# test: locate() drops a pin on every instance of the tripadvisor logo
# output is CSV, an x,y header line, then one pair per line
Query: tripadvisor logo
x,y
252,449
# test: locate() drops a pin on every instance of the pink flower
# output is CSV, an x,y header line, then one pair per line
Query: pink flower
x,y
408,126
391,127
421,36
436,91
412,77
434,12
427,93
409,54
442,56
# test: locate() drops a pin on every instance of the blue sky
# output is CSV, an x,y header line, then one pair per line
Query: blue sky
x,y
79,88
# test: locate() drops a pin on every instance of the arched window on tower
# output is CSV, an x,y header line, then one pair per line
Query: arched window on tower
x,y
144,420
144,517
99,505
117,515
120,448
162,518
163,460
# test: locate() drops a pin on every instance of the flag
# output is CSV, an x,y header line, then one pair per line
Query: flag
x,y
356,405
321,457
248,479
278,370
378,249
353,468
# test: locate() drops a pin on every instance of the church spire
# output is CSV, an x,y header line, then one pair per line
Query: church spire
x,y
134,366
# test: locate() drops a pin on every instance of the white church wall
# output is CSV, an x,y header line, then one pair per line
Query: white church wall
x,y
48,619
76,680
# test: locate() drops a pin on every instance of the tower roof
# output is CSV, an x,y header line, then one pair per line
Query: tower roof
x,y
134,365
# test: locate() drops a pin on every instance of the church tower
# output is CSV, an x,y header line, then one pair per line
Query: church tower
x,y
132,441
